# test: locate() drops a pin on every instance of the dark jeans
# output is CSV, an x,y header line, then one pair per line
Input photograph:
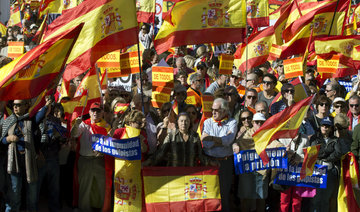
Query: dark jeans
x,y
49,174
15,185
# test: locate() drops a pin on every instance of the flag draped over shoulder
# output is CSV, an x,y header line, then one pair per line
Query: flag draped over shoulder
x,y
202,21
28,75
181,189
310,157
145,11
108,25
284,124
348,195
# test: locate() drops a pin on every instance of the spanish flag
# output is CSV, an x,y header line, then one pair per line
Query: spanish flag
x,y
348,194
146,11
308,164
257,13
28,75
284,124
342,46
108,25
55,6
127,180
3,29
87,93
202,21
181,189
15,16
321,18
256,51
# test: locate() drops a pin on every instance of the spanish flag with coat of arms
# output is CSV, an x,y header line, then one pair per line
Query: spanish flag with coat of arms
x,y
202,21
108,25
181,189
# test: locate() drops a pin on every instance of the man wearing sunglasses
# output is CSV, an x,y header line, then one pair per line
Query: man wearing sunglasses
x,y
354,111
287,93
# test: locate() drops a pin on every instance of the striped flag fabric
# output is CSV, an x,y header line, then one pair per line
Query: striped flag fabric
x,y
310,156
15,16
348,194
284,124
202,21
28,75
181,189
3,29
146,10
108,25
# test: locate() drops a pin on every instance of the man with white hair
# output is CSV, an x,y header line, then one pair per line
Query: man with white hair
x,y
181,66
194,93
218,136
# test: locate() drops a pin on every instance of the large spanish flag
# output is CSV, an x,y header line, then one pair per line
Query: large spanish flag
x,y
257,13
108,25
181,189
321,18
284,124
348,195
146,10
202,21
28,75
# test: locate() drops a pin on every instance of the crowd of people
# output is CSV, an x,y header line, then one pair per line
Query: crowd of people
x,y
41,151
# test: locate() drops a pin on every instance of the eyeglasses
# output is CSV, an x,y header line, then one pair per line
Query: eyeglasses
x,y
267,82
259,122
96,110
232,76
165,110
354,105
324,104
216,110
245,118
326,126
18,104
251,97
327,91
249,80
138,122
289,91
337,106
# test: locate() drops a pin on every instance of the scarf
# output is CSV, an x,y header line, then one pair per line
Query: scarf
x,y
220,122
30,154
99,127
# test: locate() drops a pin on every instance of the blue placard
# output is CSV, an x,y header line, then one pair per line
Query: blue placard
x,y
291,176
249,161
346,84
127,149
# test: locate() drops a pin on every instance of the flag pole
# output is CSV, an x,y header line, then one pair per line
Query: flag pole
x,y
140,70
332,21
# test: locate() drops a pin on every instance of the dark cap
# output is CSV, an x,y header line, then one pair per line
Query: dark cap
x,y
95,105
201,64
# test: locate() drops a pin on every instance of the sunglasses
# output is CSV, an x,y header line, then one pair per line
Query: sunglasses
x,y
215,110
324,104
18,104
249,80
232,76
245,118
337,106
327,91
268,82
354,105
95,110
251,97
259,122
290,91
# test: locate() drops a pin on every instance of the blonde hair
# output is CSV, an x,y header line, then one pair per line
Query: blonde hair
x,y
133,116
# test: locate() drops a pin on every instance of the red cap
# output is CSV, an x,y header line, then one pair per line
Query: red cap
x,y
95,105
